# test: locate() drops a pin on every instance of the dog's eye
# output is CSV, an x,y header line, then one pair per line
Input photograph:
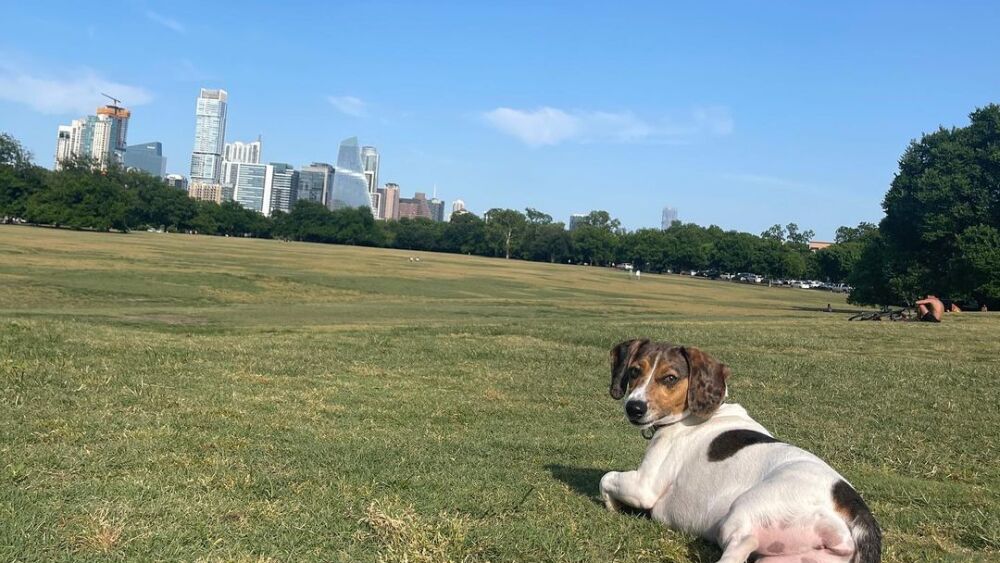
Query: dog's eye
x,y
669,379
632,372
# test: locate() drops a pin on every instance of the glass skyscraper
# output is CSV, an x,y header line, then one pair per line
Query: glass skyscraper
x,y
284,185
147,157
249,183
668,217
209,136
350,187
315,181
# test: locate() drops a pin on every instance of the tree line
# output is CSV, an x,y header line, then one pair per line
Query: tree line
x,y
940,233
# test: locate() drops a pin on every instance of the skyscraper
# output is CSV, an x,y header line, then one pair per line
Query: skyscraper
x,y
250,185
99,137
390,207
147,157
668,217
315,182
458,206
237,151
417,206
350,188
176,181
209,135
575,220
369,160
284,187
437,209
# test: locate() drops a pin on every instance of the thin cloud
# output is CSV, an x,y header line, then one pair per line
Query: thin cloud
x,y
76,93
165,21
551,126
772,182
349,105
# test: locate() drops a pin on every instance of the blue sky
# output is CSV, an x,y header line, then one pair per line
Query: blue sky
x,y
741,114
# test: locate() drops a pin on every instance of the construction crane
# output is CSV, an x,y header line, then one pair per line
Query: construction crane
x,y
115,101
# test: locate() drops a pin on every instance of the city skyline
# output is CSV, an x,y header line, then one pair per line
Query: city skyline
x,y
741,115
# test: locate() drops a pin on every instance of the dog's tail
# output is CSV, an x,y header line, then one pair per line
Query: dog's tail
x,y
864,529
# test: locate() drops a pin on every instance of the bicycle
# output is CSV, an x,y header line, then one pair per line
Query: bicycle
x,y
904,314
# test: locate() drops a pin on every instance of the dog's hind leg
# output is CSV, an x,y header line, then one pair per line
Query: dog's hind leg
x,y
739,548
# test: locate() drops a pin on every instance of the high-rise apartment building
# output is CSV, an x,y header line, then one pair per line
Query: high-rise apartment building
x,y
350,187
147,157
390,205
176,181
576,219
315,182
458,206
206,191
283,189
369,162
668,217
417,206
100,137
209,136
247,153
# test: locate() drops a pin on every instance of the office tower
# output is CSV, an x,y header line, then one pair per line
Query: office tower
x,y
247,153
99,137
284,187
350,188
417,206
390,205
437,209
668,217
209,135
251,185
315,182
575,220
147,157
369,162
176,181
458,206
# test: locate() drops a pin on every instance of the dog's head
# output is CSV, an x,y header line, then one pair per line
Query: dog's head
x,y
663,383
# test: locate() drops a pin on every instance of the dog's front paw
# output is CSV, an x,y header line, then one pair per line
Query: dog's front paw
x,y
609,501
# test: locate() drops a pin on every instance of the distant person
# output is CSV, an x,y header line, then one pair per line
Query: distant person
x,y
929,310
954,308
982,308
829,309
638,274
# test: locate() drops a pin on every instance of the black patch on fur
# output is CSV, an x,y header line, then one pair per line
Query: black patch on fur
x,y
864,529
726,445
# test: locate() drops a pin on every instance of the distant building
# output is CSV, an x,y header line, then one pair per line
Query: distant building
x,y
250,183
147,157
417,206
815,245
209,135
315,182
350,186
176,181
246,153
576,219
204,191
390,202
100,137
458,206
668,217
284,188
437,209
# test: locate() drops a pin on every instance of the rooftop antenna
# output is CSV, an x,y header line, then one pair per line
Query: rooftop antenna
x,y
435,196
115,101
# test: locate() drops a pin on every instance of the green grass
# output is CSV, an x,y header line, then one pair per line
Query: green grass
x,y
171,397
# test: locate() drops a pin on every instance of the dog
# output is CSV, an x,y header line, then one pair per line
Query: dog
x,y
712,471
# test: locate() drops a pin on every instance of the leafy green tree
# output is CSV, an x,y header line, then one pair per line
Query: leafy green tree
x,y
417,234
465,233
80,197
977,263
504,229
855,234
155,204
19,178
547,242
734,252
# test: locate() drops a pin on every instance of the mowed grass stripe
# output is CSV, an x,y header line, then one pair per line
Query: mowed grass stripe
x,y
289,402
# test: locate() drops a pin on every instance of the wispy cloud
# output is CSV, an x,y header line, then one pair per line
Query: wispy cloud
x,y
349,105
772,182
165,21
551,126
77,92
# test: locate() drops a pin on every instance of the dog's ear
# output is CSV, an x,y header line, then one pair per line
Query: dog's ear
x,y
621,355
706,382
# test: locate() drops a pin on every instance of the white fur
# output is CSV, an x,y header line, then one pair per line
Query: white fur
x,y
760,491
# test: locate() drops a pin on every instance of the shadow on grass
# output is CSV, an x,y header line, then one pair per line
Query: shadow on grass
x,y
586,481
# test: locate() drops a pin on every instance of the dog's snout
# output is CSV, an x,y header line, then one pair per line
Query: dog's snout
x,y
635,409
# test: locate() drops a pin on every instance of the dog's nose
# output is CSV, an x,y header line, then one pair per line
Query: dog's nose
x,y
635,409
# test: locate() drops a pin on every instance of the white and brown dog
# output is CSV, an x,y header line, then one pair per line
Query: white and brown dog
x,y
713,471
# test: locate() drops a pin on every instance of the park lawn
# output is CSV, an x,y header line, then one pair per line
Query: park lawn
x,y
173,397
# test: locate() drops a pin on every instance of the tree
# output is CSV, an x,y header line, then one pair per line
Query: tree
x,y
978,263
465,234
504,228
80,197
548,242
154,204
855,234
946,184
19,178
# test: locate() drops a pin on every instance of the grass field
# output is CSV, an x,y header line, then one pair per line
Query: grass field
x,y
172,397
